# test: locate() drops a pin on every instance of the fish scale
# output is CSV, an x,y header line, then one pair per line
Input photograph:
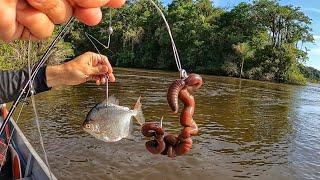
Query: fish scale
x,y
111,122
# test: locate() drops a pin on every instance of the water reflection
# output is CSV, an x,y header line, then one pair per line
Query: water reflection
x,y
257,130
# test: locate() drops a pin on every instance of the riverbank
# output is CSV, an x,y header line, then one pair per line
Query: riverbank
x,y
313,81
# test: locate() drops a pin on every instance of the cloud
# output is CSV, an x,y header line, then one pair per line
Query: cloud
x,y
312,9
316,37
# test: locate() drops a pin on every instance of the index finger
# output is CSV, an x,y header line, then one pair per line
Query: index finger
x,y
43,27
89,3
104,60
115,3
98,3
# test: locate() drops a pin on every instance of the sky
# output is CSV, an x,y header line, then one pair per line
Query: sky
x,y
310,7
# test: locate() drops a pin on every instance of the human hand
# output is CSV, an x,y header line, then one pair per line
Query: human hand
x,y
21,18
88,66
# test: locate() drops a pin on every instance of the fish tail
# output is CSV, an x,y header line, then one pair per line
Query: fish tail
x,y
138,112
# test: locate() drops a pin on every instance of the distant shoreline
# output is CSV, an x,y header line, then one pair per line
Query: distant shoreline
x,y
206,74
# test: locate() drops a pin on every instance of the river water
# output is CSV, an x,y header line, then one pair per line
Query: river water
x,y
248,129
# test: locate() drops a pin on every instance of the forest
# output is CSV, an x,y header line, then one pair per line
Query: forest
x,y
262,40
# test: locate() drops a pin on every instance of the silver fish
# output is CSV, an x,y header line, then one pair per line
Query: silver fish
x,y
110,122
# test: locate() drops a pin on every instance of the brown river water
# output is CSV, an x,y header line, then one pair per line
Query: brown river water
x,y
248,129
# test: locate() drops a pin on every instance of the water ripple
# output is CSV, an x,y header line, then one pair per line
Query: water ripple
x,y
248,129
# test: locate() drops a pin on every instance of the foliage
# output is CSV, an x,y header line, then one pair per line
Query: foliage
x,y
310,73
257,40
243,51
14,55
294,76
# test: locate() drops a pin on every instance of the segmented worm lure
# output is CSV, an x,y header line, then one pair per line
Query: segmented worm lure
x,y
169,144
180,89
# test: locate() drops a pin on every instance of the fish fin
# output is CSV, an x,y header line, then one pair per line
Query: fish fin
x,y
130,138
138,112
111,100
130,135
131,127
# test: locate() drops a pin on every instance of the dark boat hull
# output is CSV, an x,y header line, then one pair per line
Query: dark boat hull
x,y
32,166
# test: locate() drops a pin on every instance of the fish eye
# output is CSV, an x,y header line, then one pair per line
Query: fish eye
x,y
88,126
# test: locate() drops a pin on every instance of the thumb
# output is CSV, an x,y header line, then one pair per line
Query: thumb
x,y
98,70
8,24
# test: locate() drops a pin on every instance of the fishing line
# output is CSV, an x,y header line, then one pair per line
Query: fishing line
x,y
106,76
60,36
43,59
107,87
12,131
32,76
110,30
91,38
18,117
40,134
174,48
161,121
31,88
183,74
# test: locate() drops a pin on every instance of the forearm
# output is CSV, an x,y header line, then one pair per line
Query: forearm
x,y
55,76
63,75
12,82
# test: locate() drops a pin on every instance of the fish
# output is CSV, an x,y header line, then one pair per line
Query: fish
x,y
110,122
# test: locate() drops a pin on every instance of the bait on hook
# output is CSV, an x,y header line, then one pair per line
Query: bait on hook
x,y
171,145
180,89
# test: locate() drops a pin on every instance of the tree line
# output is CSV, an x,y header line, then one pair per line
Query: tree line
x,y
259,40
262,40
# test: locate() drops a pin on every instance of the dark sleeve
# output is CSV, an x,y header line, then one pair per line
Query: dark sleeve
x,y
12,82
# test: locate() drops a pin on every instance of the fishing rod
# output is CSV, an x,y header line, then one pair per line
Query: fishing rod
x,y
42,61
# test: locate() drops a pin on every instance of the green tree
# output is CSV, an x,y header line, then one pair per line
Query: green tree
x,y
13,55
243,51
257,40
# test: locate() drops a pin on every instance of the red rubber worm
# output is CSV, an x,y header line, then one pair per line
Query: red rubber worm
x,y
171,145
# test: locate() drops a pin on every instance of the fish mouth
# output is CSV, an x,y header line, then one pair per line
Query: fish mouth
x,y
94,131
89,128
